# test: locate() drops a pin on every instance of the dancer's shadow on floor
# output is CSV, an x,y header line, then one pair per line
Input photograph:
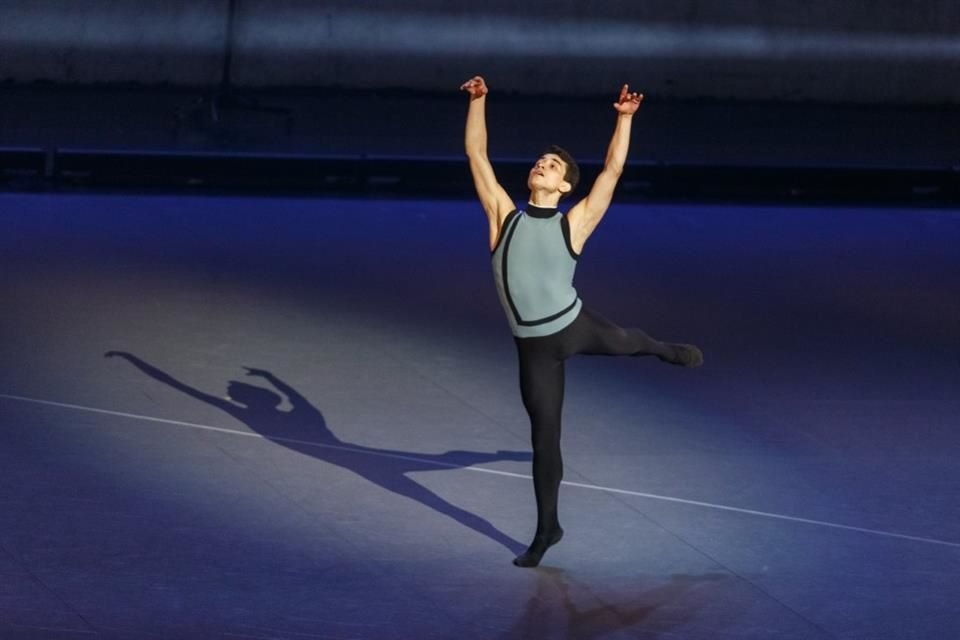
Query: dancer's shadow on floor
x,y
304,429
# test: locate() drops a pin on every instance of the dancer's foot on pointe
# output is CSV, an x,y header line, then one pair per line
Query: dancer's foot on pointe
x,y
685,355
532,556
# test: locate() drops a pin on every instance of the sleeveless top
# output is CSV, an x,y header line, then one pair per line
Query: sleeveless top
x,y
533,265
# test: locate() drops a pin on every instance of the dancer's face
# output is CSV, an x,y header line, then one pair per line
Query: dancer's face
x,y
547,174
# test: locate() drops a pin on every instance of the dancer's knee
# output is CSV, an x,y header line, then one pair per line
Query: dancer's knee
x,y
546,439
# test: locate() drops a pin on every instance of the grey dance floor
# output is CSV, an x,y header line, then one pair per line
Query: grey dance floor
x,y
803,484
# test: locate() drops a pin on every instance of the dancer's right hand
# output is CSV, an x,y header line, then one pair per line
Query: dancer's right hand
x,y
476,87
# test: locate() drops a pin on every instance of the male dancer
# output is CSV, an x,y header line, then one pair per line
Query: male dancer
x,y
535,253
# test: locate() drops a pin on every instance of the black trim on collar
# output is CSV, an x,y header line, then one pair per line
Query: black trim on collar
x,y
540,212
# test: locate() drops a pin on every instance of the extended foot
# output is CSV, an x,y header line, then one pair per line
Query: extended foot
x,y
532,556
685,355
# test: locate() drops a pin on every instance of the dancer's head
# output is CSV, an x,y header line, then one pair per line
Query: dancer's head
x,y
555,171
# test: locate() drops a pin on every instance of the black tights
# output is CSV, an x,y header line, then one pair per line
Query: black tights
x,y
541,386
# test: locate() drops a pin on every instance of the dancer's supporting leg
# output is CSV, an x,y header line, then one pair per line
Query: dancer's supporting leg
x,y
541,387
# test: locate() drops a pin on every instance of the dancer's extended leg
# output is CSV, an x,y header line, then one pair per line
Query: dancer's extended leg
x,y
591,334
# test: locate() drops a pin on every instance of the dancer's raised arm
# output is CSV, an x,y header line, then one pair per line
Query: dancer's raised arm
x,y
494,199
586,214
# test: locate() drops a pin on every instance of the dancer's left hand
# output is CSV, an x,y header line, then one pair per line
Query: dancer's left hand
x,y
628,103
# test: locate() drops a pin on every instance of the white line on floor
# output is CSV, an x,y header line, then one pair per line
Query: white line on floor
x,y
580,485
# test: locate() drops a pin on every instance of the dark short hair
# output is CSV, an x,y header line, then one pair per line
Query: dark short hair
x,y
572,174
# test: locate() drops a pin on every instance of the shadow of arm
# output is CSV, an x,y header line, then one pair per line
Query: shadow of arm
x,y
170,381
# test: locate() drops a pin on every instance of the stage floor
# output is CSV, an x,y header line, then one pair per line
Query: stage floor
x,y
802,484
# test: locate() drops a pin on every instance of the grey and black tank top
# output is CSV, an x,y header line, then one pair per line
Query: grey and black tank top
x,y
533,264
